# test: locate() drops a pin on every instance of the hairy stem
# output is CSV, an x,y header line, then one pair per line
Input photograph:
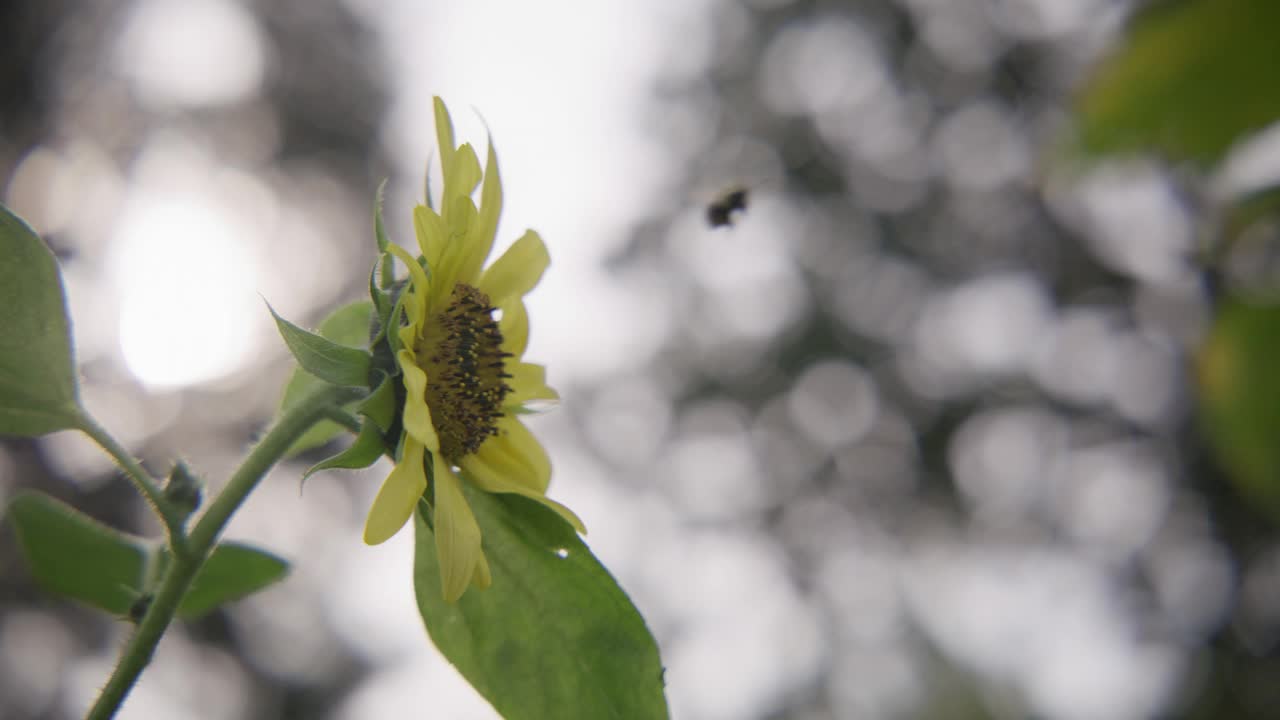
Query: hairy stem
x,y
169,515
173,586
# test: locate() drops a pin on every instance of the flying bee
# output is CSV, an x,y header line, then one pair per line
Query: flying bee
x,y
720,212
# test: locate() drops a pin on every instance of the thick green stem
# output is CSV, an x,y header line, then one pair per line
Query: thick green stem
x,y
169,515
200,543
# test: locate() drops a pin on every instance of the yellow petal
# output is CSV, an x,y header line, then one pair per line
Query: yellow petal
x,y
482,230
517,455
457,534
486,478
460,179
514,327
444,132
519,268
432,236
417,416
409,334
528,382
455,251
415,303
398,496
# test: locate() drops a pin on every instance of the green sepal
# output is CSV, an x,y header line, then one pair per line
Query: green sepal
x,y
38,389
365,451
232,571
72,555
348,325
387,276
380,406
381,304
392,325
554,636
379,228
332,362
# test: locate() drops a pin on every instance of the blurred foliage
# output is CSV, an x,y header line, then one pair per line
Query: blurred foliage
x,y
1191,79
1239,373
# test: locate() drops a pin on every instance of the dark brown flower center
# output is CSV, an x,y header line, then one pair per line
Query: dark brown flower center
x,y
461,351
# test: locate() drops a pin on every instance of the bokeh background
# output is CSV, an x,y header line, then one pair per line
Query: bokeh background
x,y
913,438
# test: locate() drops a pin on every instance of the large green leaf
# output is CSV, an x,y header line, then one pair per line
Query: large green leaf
x,y
554,636
38,392
1190,79
72,555
1240,397
349,326
233,571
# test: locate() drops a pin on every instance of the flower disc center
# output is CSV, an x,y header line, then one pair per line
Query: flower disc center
x,y
460,349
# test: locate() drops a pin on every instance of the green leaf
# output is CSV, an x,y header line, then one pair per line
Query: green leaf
x,y
233,571
1240,397
1190,79
75,556
348,325
554,636
330,361
38,391
364,452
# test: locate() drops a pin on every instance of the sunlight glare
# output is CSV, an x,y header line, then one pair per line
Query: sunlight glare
x,y
186,276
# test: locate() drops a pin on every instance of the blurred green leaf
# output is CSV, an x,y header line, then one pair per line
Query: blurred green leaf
x,y
1190,79
1240,397
38,392
1260,204
233,571
330,361
73,555
554,636
348,325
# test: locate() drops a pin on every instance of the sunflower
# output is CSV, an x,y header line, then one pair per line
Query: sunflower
x,y
465,382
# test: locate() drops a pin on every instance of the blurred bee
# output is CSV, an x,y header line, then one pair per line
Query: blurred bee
x,y
720,212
